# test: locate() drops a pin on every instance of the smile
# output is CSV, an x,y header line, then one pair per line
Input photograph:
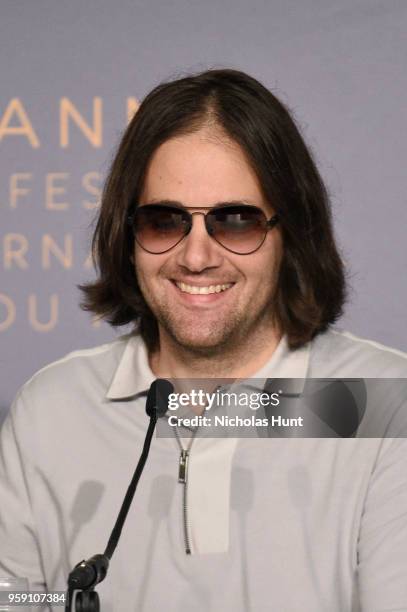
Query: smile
x,y
194,290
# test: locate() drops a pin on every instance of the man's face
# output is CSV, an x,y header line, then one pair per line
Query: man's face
x,y
206,169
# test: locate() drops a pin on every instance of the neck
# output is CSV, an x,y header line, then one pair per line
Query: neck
x,y
172,360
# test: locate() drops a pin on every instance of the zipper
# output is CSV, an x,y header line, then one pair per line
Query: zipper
x,y
183,479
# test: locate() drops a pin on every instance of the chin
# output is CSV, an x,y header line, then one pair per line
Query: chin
x,y
203,344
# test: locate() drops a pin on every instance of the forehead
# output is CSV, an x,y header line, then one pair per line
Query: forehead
x,y
203,168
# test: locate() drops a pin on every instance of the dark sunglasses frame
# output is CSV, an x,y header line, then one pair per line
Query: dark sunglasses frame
x,y
188,216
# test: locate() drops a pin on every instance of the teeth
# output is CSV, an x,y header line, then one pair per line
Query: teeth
x,y
202,290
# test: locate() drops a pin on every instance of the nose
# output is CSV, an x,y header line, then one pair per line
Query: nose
x,y
198,250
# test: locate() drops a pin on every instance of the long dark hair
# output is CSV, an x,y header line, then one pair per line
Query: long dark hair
x,y
311,284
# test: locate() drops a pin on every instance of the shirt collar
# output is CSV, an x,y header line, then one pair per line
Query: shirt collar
x,y
287,363
133,375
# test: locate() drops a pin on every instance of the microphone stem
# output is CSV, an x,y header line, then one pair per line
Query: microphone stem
x,y
117,529
69,598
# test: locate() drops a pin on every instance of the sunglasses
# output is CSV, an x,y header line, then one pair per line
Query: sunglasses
x,y
239,228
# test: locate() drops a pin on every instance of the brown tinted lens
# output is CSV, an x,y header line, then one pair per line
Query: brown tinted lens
x,y
241,229
159,228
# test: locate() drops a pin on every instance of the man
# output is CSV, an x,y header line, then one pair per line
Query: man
x,y
214,239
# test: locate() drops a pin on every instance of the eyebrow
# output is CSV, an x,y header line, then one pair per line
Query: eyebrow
x,y
178,204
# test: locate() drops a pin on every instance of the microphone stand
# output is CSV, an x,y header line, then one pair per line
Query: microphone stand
x,y
87,574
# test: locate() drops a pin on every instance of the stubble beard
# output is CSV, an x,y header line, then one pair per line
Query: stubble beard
x,y
220,338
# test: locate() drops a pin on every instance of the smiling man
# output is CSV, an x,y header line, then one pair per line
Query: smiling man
x,y
211,293
214,240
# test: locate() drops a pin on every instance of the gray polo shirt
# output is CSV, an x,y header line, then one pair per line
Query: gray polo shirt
x,y
274,524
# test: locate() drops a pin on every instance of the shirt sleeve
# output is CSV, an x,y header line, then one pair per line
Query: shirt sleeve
x,y
19,549
382,550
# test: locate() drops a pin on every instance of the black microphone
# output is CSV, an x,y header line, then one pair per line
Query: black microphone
x,y
87,574
157,398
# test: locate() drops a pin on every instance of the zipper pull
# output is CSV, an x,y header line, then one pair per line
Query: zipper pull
x,y
183,466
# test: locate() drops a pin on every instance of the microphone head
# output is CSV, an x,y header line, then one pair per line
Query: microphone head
x,y
157,397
